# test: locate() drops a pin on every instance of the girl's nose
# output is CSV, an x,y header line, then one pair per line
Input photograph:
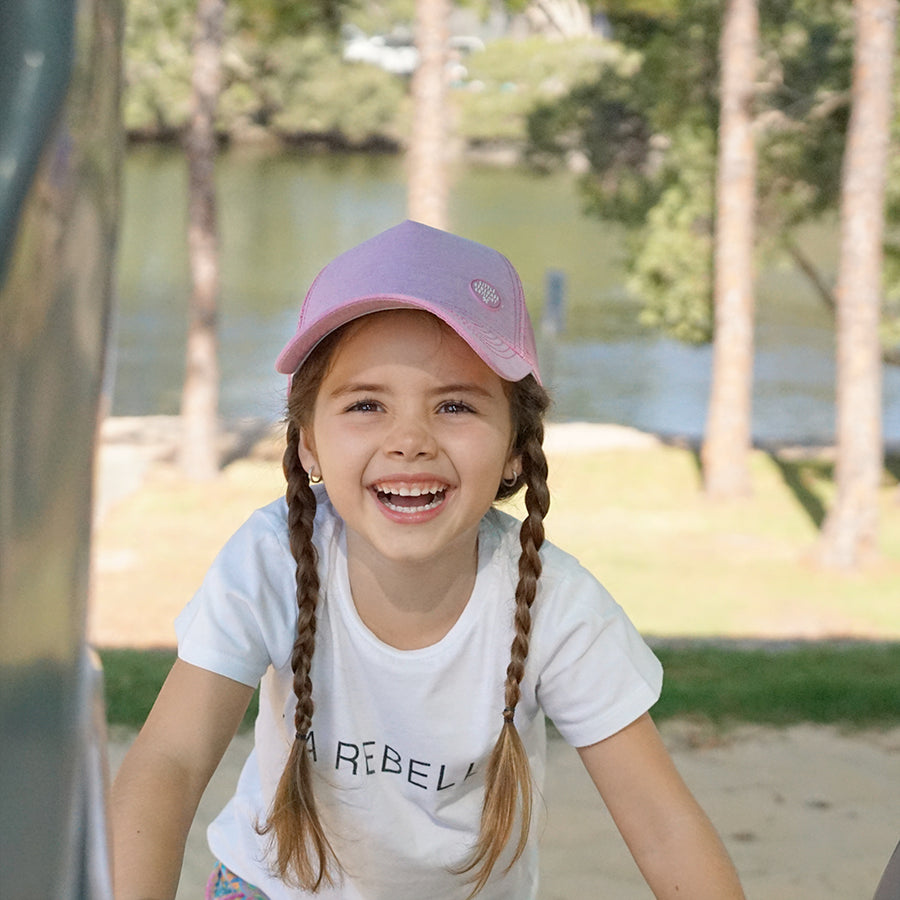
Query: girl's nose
x,y
410,438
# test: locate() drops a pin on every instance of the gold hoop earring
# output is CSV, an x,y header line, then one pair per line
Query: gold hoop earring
x,y
510,481
314,477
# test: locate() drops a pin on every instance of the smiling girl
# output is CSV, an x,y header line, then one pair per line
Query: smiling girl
x,y
409,639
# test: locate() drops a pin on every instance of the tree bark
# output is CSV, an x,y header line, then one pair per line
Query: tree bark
x,y
199,453
727,442
850,531
427,159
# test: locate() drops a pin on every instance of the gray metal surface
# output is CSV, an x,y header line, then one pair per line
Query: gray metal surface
x,y
889,886
60,149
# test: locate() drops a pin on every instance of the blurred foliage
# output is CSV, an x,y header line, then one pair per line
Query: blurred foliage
x,y
637,116
803,110
890,333
157,66
282,75
296,87
382,16
672,255
502,84
271,18
649,140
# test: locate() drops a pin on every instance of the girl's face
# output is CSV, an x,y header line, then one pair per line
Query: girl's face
x,y
412,435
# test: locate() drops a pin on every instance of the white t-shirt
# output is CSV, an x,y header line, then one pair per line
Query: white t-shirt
x,y
401,737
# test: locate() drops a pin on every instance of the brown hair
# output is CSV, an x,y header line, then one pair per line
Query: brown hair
x,y
303,854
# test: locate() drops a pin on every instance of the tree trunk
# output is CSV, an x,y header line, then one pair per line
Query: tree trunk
x,y
199,454
850,532
727,441
428,179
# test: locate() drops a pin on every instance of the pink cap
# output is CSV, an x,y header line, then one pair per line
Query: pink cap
x,y
472,288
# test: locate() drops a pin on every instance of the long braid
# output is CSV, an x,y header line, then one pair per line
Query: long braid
x,y
508,780
303,854
531,537
301,515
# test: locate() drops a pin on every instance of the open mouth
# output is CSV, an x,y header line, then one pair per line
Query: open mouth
x,y
409,500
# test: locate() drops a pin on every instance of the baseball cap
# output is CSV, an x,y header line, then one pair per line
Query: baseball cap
x,y
471,287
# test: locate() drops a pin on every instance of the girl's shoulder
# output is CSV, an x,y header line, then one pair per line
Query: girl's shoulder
x,y
587,667
270,523
560,570
243,616
570,598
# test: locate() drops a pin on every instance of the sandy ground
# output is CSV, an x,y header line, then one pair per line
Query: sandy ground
x,y
806,812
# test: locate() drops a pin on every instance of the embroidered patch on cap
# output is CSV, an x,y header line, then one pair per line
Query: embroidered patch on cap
x,y
485,292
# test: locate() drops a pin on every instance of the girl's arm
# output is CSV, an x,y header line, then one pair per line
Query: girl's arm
x,y
672,841
159,785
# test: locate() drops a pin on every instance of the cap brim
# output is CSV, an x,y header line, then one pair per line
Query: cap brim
x,y
492,349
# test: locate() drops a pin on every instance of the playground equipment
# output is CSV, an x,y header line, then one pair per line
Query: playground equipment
x,y
60,148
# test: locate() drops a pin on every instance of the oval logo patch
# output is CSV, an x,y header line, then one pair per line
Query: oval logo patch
x,y
485,292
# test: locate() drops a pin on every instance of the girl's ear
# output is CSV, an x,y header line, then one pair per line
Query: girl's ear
x,y
306,450
513,468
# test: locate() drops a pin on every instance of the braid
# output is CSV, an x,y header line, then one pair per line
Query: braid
x,y
531,537
303,855
508,783
301,515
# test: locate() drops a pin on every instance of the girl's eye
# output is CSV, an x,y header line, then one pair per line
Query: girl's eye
x,y
455,407
364,406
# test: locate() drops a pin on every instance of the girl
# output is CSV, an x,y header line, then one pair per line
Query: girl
x,y
410,638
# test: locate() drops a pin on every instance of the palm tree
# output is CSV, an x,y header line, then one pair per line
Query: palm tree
x,y
850,532
199,455
727,441
427,174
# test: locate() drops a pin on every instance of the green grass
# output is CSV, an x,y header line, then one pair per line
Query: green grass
x,y
854,686
699,578
683,565
132,679
680,564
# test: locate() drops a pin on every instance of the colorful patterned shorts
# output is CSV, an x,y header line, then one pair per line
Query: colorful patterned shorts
x,y
223,884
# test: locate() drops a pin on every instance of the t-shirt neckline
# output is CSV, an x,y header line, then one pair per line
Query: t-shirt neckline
x,y
339,577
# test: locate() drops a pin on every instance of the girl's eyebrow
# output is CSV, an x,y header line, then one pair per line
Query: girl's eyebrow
x,y
463,387
355,387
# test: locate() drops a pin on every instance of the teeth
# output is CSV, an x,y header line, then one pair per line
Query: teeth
x,y
409,510
433,494
411,491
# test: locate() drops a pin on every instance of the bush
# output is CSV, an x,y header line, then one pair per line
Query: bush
x,y
157,65
294,86
506,80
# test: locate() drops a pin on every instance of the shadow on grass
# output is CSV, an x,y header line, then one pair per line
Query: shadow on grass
x,y
892,465
799,477
698,464
691,446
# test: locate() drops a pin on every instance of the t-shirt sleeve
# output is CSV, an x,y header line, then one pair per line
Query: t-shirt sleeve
x,y
596,674
242,618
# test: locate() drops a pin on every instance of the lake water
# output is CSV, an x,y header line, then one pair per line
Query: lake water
x,y
284,216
